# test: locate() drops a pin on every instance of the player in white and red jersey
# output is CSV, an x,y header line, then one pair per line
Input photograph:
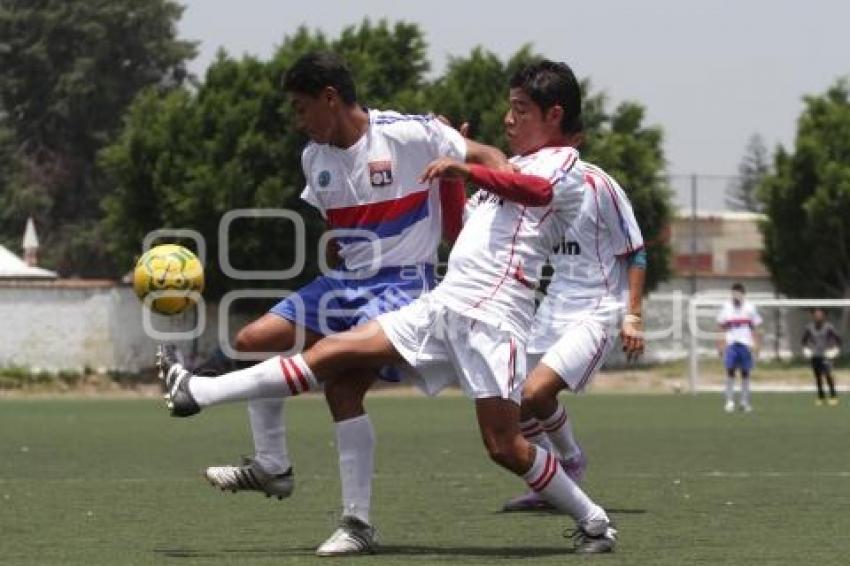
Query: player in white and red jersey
x,y
362,172
595,293
475,322
738,319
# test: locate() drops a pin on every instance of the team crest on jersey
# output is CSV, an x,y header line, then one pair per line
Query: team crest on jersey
x,y
324,178
381,173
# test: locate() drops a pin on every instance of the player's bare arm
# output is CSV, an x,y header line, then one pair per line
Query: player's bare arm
x,y
631,333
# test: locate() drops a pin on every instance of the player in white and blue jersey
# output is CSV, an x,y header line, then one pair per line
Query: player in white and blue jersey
x,y
738,319
362,172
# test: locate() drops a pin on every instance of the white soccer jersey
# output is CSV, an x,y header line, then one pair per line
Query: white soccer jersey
x,y
495,283
577,322
739,322
371,192
589,273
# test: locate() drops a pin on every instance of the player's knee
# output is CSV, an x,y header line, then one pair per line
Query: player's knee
x,y
258,338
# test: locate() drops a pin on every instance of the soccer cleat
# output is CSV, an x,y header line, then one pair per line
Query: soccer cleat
x,y
179,399
352,537
574,466
251,477
818,402
832,401
528,501
729,407
746,407
594,537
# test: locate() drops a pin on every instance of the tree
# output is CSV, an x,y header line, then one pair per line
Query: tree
x,y
742,193
807,202
70,69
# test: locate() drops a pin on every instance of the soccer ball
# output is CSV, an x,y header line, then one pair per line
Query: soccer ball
x,y
172,273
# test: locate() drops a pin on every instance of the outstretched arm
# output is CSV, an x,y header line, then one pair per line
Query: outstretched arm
x,y
486,155
524,189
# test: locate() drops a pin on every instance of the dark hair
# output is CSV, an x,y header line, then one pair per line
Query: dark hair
x,y
739,287
318,70
548,83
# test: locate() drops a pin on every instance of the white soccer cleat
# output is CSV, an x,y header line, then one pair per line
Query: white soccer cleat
x,y
746,407
251,477
729,407
352,537
595,537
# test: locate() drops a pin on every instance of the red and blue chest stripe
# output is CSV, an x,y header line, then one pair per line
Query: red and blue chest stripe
x,y
384,219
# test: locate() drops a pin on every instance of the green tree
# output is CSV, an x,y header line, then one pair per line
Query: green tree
x,y
807,202
742,193
70,69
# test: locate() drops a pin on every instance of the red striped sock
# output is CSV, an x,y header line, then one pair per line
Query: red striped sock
x,y
548,479
559,430
297,376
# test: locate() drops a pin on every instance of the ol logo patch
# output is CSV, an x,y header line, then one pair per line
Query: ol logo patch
x,y
381,173
324,178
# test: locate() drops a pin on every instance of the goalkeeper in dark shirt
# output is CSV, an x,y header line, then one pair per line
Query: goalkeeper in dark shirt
x,y
821,343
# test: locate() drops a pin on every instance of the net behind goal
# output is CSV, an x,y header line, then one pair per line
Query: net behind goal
x,y
784,321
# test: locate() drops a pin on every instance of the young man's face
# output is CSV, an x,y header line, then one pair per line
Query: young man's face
x,y
818,315
527,127
314,115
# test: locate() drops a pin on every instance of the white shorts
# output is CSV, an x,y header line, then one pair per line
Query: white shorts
x,y
444,347
578,351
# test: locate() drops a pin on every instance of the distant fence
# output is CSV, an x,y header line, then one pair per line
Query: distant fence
x,y
84,326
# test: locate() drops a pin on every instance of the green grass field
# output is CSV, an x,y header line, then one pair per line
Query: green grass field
x,y
117,482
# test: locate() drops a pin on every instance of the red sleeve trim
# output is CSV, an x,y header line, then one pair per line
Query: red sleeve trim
x,y
452,201
529,190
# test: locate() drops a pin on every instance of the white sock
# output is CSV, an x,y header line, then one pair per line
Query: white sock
x,y
745,390
275,377
355,441
548,479
730,389
269,431
533,432
559,429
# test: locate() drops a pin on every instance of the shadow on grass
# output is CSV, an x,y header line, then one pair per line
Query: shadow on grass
x,y
507,553
611,510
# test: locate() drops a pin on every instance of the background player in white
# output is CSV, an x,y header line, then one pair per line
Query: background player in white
x,y
475,321
362,169
738,319
596,291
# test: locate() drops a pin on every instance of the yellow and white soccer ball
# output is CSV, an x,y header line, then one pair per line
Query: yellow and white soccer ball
x,y
171,275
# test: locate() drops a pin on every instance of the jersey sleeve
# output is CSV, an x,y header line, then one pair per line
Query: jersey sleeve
x,y
567,183
755,317
722,316
309,193
617,214
445,141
